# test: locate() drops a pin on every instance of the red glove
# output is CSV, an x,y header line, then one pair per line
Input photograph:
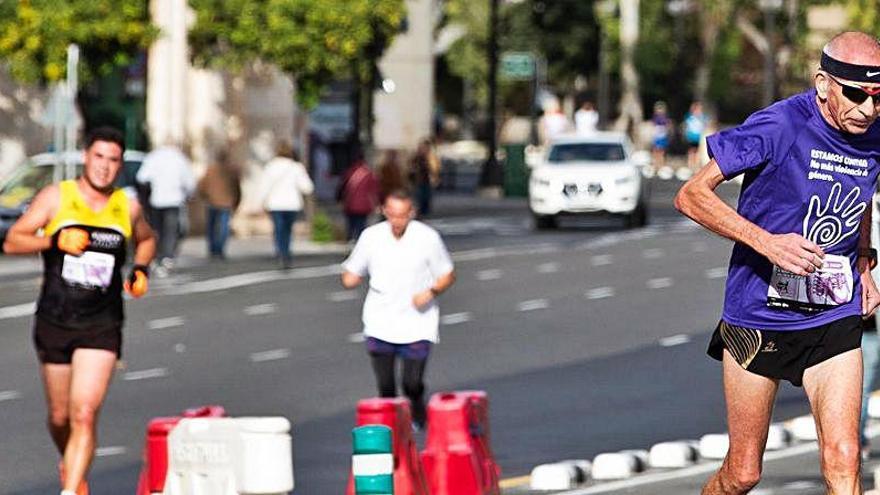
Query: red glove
x,y
73,240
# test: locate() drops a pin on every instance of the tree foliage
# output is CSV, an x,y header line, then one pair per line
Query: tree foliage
x,y
35,34
314,41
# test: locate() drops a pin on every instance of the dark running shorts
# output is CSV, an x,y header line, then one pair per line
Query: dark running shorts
x,y
55,344
418,350
785,355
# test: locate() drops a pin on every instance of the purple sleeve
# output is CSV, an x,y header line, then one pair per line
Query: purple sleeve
x,y
760,140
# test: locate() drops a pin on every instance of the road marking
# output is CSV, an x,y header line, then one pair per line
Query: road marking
x,y
674,340
18,311
145,374
551,267
456,318
261,309
343,295
357,338
602,260
799,486
254,278
487,275
600,293
619,486
653,254
180,348
110,451
660,283
713,273
533,305
273,355
163,323
514,482
9,395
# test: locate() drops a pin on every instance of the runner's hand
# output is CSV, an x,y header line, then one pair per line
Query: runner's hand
x,y
73,240
870,295
138,281
793,253
423,299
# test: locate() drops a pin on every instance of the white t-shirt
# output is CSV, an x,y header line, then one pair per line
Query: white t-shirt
x,y
398,270
283,184
170,176
586,121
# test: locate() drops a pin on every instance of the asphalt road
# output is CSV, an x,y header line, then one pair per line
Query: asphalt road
x,y
588,339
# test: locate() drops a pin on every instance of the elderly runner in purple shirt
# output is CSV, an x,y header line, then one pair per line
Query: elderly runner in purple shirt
x,y
799,279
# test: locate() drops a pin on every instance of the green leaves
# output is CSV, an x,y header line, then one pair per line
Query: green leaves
x,y
34,35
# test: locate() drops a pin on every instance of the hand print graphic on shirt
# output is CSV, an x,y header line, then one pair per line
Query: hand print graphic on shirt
x,y
829,223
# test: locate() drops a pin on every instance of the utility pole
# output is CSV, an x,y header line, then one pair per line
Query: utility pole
x,y
770,7
491,176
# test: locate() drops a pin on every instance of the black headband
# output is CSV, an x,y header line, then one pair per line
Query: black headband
x,y
850,72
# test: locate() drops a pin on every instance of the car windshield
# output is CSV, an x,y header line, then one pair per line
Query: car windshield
x,y
24,183
586,152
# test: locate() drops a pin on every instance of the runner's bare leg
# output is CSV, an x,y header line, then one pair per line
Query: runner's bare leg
x,y
56,384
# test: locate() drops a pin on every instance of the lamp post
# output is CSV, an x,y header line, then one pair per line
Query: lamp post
x,y
491,175
770,8
603,10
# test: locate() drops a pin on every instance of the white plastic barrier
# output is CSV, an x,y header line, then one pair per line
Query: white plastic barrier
x,y
556,476
672,455
616,465
714,445
874,406
804,428
230,456
778,437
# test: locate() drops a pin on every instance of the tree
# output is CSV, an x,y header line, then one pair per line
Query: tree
x,y
34,35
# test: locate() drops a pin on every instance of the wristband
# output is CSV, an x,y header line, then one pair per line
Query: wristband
x,y
141,268
434,292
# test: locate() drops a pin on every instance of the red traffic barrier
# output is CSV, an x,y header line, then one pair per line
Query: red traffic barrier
x,y
458,456
155,457
409,478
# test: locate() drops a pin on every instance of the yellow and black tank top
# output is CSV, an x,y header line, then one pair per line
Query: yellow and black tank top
x,y
86,291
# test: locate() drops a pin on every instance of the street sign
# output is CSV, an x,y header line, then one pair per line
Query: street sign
x,y
517,66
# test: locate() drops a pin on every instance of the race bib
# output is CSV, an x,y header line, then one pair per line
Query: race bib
x,y
91,270
831,285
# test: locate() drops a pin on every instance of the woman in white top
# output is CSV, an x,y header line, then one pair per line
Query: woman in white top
x,y
284,183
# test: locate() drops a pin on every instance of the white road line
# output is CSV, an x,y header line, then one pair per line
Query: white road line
x,y
487,275
254,278
713,273
9,395
551,267
674,340
146,374
602,260
180,348
163,323
343,295
18,311
620,486
455,318
799,486
261,309
600,293
660,283
533,305
273,355
653,254
110,451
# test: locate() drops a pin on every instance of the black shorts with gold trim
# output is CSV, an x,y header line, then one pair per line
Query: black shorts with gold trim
x,y
785,355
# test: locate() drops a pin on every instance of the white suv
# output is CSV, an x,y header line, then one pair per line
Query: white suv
x,y
594,174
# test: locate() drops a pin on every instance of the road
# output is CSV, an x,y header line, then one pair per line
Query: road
x,y
588,339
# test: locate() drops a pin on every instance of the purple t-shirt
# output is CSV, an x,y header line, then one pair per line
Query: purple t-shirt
x,y
805,177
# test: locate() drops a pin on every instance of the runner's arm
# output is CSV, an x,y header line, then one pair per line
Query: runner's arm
x,y
870,293
23,237
351,280
698,200
142,234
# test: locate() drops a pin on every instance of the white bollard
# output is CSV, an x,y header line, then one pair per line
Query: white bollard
x,y
874,406
803,428
615,466
556,476
583,467
672,455
714,445
778,437
266,458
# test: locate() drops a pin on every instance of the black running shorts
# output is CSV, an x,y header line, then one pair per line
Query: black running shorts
x,y
785,355
55,344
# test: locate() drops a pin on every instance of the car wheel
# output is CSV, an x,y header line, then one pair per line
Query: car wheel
x,y
638,218
545,222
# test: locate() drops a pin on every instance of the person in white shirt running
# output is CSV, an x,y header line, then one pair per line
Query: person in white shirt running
x,y
408,266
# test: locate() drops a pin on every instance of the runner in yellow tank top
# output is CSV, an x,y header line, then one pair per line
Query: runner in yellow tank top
x,y
82,228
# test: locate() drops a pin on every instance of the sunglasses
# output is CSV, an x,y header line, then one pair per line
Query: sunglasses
x,y
858,94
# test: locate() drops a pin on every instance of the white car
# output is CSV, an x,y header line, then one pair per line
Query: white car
x,y
595,174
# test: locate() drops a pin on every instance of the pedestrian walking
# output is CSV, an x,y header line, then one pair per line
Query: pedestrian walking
x,y
359,193
284,183
695,123
660,137
586,119
408,268
870,342
799,281
424,174
220,189
82,228
167,172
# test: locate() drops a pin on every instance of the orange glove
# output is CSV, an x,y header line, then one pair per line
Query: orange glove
x,y
138,281
73,240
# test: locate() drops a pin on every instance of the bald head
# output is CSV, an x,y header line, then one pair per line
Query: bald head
x,y
854,47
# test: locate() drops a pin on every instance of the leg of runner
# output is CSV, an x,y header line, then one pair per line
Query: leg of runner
x,y
749,400
56,382
834,389
91,373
